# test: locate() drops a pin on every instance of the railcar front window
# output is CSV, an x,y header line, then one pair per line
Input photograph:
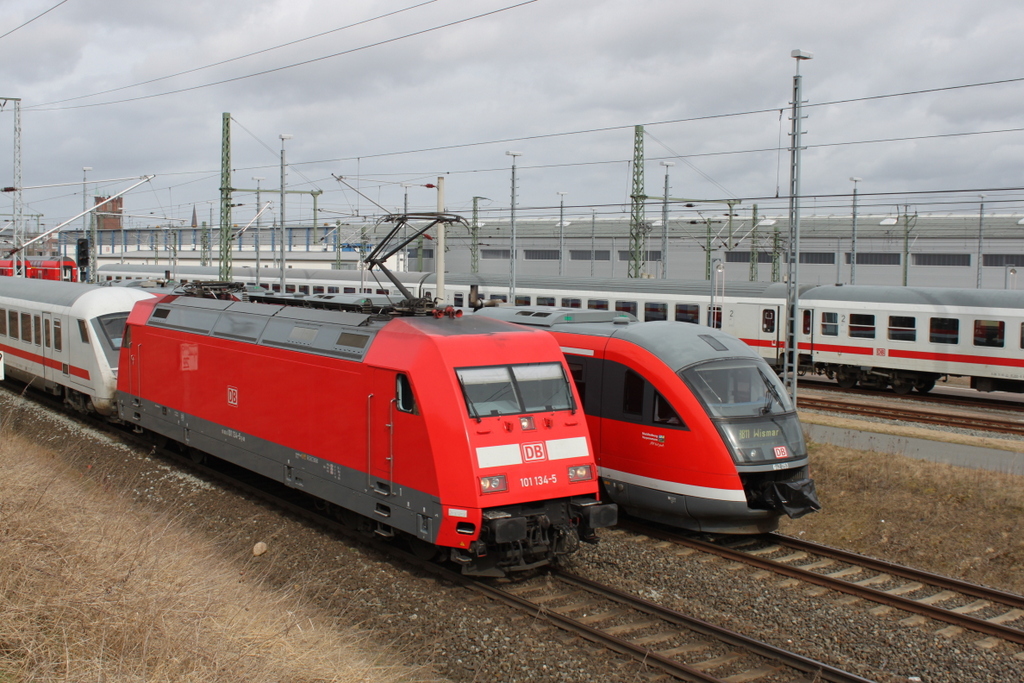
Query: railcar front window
x,y
750,408
515,389
737,388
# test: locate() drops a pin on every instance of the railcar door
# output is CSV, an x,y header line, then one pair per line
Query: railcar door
x,y
380,432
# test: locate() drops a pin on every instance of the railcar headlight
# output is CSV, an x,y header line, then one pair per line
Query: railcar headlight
x,y
580,473
493,484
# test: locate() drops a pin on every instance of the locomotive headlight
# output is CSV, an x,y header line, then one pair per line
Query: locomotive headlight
x,y
493,484
580,473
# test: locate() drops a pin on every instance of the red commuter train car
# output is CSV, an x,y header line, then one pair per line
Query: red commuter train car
x,y
464,434
690,426
63,269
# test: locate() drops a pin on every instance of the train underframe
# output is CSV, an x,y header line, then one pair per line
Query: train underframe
x,y
901,381
521,537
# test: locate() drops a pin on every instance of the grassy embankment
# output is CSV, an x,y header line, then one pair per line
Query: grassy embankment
x,y
93,588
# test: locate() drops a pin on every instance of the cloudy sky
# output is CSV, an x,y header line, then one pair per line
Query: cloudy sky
x,y
386,92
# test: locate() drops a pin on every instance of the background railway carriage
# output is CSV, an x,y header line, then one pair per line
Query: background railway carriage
x,y
690,426
908,337
462,433
63,269
65,337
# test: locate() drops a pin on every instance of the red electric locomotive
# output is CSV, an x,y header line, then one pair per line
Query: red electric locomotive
x,y
63,269
690,426
463,433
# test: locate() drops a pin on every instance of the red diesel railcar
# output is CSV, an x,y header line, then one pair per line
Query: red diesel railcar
x,y
462,433
690,426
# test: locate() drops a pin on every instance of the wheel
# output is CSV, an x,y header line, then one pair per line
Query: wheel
x,y
195,455
846,381
902,386
923,386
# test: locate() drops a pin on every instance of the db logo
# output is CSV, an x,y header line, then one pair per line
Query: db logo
x,y
233,396
781,452
879,352
533,452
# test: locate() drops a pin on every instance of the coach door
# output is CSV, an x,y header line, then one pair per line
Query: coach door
x,y
47,347
769,332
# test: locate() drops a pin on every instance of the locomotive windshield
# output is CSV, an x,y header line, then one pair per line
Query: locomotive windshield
x,y
111,329
749,405
515,389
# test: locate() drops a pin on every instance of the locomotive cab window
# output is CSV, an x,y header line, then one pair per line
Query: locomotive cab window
x,y
830,324
83,331
515,389
579,379
989,333
403,395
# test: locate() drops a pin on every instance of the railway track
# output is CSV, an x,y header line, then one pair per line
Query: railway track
x,y
973,421
966,606
682,646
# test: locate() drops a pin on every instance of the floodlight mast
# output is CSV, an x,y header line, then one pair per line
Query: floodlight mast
x,y
791,357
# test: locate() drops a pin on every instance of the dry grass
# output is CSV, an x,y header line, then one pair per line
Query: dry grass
x,y
93,589
951,520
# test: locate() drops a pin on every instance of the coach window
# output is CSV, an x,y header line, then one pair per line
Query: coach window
x,y
542,301
37,326
522,300
626,307
989,333
655,311
58,342
403,395
633,394
944,331
459,299
26,327
333,290
277,287
3,321
715,317
304,289
572,303
902,328
862,326
46,333
768,320
350,290
830,324
318,289
12,324
597,304
83,331
687,313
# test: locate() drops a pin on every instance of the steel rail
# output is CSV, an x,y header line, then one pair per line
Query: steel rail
x,y
871,594
1014,427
